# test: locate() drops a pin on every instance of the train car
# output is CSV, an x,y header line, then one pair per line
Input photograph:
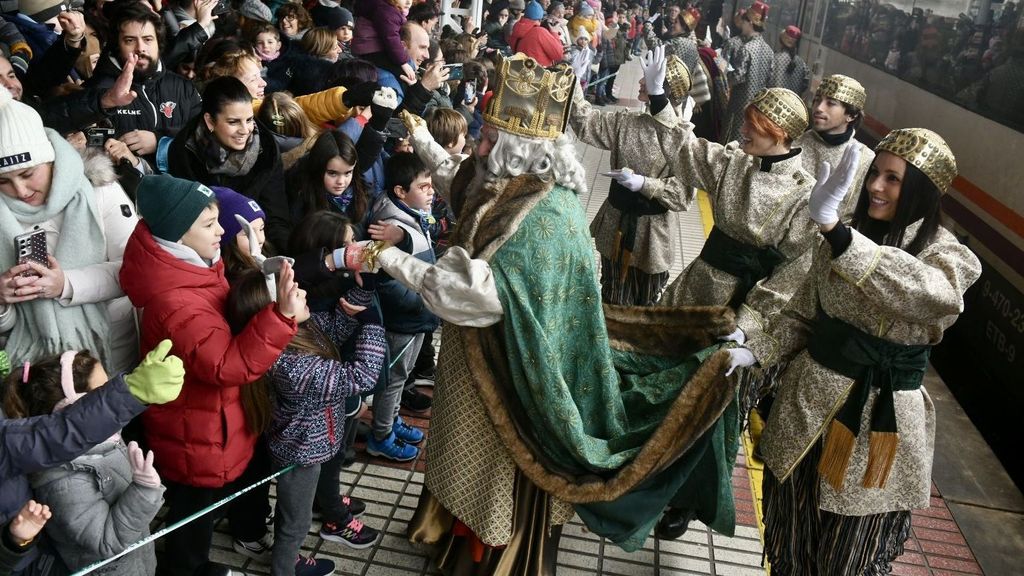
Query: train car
x,y
956,67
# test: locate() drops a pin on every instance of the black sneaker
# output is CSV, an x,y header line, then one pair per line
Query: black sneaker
x,y
356,507
355,534
415,400
425,374
362,431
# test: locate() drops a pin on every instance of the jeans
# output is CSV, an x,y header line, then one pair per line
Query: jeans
x,y
187,549
386,405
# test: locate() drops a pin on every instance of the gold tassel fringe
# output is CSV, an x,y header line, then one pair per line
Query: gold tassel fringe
x,y
835,457
618,246
881,454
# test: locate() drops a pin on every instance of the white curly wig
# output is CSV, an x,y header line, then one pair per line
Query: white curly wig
x,y
514,155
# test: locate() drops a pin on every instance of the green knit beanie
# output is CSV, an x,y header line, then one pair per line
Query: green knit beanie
x,y
171,205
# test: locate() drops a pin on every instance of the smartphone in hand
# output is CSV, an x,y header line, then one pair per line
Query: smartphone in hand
x,y
31,247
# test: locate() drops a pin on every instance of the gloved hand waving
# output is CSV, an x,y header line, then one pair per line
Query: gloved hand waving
x,y
143,472
655,68
158,378
832,186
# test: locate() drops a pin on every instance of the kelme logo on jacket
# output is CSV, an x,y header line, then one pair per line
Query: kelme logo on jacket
x,y
167,109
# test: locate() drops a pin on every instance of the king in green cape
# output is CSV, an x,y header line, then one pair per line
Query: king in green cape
x,y
548,404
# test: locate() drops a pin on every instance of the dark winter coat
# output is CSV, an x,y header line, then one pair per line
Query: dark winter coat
x,y
201,439
264,183
29,445
165,103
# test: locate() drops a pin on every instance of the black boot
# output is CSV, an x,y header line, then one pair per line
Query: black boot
x,y
674,523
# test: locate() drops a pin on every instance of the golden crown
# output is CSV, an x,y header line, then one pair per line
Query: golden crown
x,y
784,108
844,89
925,150
677,78
530,100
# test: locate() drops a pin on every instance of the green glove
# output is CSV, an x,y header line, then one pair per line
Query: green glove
x,y
158,378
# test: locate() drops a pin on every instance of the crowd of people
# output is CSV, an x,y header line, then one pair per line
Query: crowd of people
x,y
226,224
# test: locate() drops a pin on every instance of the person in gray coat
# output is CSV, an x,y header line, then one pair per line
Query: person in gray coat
x,y
105,498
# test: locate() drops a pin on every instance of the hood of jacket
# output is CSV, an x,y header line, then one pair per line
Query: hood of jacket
x,y
148,271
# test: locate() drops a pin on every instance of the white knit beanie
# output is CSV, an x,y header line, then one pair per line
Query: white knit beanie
x,y
23,142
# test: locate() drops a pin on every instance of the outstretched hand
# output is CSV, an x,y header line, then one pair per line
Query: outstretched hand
x,y
121,93
655,69
831,187
29,522
630,180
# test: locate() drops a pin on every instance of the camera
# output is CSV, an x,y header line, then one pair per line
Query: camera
x,y
222,7
97,136
470,91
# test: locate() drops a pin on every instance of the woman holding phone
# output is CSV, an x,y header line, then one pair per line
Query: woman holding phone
x,y
62,293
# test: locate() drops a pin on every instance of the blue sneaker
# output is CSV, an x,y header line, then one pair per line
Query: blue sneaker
x,y
406,433
313,567
391,448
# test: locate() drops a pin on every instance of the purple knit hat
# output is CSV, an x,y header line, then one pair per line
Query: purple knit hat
x,y
232,203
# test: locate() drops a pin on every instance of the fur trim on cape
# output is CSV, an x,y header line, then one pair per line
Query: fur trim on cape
x,y
665,331
699,405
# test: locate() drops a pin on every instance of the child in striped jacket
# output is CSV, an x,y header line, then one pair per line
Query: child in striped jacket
x,y
310,382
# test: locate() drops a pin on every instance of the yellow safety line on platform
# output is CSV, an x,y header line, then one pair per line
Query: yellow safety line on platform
x,y
755,468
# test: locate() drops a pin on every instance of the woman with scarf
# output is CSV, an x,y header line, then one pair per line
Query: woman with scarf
x,y
72,299
849,443
226,146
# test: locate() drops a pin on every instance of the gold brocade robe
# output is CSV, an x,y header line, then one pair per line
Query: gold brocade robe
x,y
637,140
887,293
755,207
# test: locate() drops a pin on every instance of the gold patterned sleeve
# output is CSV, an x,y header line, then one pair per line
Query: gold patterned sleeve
x,y
594,127
787,332
671,192
698,162
926,287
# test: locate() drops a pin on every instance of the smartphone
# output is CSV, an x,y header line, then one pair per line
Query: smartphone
x,y
470,89
31,247
454,71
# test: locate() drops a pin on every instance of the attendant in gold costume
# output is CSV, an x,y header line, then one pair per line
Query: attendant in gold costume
x,y
849,443
836,113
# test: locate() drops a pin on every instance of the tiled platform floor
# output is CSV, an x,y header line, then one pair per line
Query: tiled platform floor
x,y
936,547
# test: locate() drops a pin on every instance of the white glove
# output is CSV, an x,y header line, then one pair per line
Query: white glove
x,y
740,358
386,97
831,187
655,68
143,472
629,179
736,336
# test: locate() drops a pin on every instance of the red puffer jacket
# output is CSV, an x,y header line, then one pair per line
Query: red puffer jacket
x,y
200,439
536,41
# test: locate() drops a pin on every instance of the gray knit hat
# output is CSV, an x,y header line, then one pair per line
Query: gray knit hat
x,y
170,205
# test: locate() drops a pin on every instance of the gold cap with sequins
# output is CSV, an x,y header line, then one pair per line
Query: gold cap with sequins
x,y
925,150
784,108
844,89
530,100
677,79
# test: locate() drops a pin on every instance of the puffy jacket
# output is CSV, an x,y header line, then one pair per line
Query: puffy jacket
x,y
402,308
536,41
264,183
29,445
200,439
99,511
377,28
165,103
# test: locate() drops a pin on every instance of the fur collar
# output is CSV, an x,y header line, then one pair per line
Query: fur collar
x,y
98,167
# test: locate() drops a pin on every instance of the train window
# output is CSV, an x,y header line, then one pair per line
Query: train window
x,y
947,47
